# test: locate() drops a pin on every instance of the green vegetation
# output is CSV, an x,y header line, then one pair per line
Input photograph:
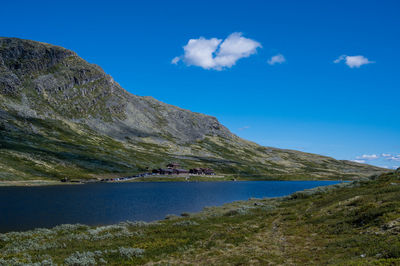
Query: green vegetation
x,y
38,149
181,178
346,224
226,177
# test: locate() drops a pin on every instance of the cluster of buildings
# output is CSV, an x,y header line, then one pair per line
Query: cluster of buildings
x,y
174,169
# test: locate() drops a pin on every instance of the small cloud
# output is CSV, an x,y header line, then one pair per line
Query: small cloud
x,y
245,127
386,155
394,167
358,161
175,60
353,61
217,53
368,156
276,59
394,158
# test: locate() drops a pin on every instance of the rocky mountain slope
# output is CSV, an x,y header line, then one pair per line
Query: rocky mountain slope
x,y
61,116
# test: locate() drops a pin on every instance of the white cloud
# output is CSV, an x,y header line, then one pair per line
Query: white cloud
x,y
358,161
394,158
368,156
245,127
394,167
175,60
276,59
385,160
199,52
217,54
353,61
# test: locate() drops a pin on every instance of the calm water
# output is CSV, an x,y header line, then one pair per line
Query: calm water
x,y
23,208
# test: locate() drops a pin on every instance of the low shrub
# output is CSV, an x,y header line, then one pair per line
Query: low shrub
x,y
131,252
81,259
185,223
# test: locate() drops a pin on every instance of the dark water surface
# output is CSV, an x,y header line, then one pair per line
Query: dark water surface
x,y
23,208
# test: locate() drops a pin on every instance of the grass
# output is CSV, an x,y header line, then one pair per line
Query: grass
x,y
29,183
347,224
181,178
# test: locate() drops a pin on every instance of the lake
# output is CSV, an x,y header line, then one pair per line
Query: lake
x,y
23,208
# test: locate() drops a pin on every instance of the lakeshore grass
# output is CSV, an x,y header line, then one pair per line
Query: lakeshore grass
x,y
350,223
29,183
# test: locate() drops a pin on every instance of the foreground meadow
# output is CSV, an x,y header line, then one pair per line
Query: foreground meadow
x,y
349,223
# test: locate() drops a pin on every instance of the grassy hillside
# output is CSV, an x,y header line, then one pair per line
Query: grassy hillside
x,y
348,224
49,149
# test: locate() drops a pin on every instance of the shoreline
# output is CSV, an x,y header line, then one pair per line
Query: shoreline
x,y
217,178
163,178
32,183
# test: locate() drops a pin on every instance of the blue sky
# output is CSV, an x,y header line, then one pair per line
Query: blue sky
x,y
303,101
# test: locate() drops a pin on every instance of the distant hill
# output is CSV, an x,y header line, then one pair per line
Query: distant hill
x,y
61,116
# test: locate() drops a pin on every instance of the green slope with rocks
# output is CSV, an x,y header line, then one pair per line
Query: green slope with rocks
x,y
61,116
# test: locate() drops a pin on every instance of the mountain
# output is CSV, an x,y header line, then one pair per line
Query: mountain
x,y
61,116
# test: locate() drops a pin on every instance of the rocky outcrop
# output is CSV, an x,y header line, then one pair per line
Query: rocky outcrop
x,y
58,83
